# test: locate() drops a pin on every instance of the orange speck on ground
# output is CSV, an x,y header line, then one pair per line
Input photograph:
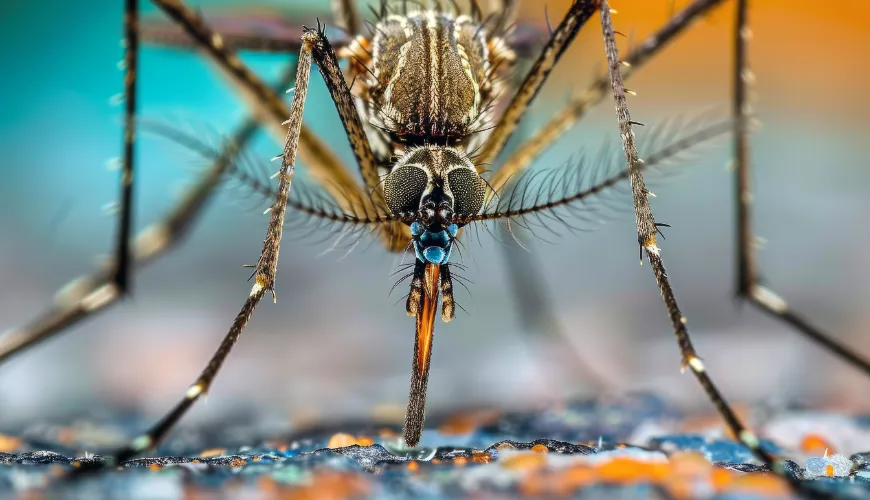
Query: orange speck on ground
x,y
9,444
387,433
816,444
688,463
66,436
539,448
829,470
687,470
212,452
436,461
761,484
195,461
626,470
154,467
238,462
365,441
413,466
332,486
76,463
267,484
557,483
524,461
460,461
721,479
341,440
465,423
481,458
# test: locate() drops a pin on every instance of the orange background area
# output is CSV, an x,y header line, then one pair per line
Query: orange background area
x,y
808,59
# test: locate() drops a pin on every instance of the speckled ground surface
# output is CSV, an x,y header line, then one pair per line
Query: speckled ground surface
x,y
632,447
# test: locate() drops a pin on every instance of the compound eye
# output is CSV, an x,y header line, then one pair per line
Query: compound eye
x,y
468,189
404,187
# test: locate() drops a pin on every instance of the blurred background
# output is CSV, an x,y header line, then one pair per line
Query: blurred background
x,y
335,345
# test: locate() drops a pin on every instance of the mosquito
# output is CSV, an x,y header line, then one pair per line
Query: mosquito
x,y
428,106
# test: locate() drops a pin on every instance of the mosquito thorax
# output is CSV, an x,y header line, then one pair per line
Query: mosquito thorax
x,y
431,77
434,188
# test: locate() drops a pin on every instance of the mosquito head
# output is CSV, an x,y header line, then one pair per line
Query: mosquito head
x,y
437,185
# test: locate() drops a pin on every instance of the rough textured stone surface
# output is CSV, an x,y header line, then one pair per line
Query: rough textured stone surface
x,y
588,449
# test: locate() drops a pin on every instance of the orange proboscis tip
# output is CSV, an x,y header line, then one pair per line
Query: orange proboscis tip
x,y
814,443
213,452
525,461
426,316
9,444
540,448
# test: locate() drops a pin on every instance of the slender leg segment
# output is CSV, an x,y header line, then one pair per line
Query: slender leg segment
x,y
123,269
265,102
533,147
347,16
88,295
267,266
748,287
580,12
647,229
425,288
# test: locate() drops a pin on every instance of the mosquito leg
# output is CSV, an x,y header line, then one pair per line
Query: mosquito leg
x,y
123,272
325,167
507,9
533,147
748,286
646,231
579,13
265,102
267,266
88,295
277,34
346,16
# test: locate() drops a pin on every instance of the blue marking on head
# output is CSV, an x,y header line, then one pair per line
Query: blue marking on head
x,y
434,255
433,247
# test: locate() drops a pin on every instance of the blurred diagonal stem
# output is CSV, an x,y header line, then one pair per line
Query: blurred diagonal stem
x,y
748,286
90,294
